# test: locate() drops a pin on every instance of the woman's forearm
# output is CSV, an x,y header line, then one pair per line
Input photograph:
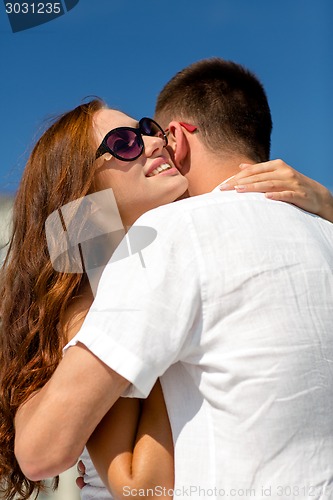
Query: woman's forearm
x,y
132,448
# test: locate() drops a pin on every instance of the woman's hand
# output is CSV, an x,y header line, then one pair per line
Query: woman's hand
x,y
281,182
81,470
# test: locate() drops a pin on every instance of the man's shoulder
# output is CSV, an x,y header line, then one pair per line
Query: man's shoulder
x,y
226,203
204,201
178,209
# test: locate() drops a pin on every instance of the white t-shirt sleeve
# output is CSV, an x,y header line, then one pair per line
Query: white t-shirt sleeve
x,y
144,316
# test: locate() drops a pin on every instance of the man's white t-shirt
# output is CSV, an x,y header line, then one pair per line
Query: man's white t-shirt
x,y
231,306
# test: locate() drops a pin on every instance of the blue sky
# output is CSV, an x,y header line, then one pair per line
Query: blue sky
x,y
125,51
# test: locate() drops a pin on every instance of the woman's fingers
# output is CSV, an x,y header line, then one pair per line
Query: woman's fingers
x,y
288,196
260,186
81,468
80,482
81,471
274,174
281,182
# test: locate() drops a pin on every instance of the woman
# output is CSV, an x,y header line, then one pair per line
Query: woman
x,y
42,308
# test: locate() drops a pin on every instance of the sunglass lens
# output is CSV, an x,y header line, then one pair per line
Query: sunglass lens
x,y
124,144
149,127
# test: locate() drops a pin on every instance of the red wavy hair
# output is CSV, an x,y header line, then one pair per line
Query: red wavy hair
x,y
34,296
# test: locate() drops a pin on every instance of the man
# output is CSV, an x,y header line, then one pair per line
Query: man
x,y
233,311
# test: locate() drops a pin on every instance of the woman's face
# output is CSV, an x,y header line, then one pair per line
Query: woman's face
x,y
137,185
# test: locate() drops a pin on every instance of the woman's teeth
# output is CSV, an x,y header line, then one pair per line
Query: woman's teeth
x,y
159,169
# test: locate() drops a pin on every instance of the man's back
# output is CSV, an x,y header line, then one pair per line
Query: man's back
x,y
233,308
250,400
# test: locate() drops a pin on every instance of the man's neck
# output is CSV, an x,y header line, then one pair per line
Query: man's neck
x,y
206,175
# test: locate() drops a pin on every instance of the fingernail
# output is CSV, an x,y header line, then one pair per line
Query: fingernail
x,y
244,165
240,188
224,187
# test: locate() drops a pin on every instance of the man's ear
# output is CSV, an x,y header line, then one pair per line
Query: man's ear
x,y
178,143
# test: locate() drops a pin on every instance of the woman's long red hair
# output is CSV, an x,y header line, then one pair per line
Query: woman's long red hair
x,y
33,295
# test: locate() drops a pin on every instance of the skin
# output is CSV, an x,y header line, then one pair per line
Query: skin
x,y
65,415
134,191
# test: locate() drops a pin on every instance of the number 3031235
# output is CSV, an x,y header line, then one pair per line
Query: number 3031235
x,y
33,8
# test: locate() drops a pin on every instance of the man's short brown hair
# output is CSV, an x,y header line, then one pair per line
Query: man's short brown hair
x,y
225,101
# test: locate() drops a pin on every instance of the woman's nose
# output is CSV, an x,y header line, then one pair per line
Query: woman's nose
x,y
153,145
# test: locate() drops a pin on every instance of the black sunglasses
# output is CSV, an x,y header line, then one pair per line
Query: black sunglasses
x,y
126,143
